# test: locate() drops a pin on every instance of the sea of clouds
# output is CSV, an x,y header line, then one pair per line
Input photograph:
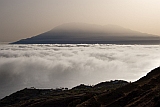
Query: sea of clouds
x,y
54,66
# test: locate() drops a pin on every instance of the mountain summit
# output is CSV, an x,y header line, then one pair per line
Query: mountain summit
x,y
77,33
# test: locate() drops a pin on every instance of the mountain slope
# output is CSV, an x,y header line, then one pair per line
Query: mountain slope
x,y
60,97
77,33
145,92
142,93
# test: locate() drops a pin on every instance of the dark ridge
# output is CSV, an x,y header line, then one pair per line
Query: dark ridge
x,y
48,97
142,93
145,92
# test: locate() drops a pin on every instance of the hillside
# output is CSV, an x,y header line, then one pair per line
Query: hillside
x,y
145,92
60,97
77,33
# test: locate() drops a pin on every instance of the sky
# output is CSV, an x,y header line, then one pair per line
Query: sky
x,y
26,18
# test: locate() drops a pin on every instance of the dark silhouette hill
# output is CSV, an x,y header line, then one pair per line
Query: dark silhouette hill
x,y
145,92
82,33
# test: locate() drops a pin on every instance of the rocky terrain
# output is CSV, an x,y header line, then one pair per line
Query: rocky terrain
x,y
145,92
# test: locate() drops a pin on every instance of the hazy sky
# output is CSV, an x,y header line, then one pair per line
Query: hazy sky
x,y
25,18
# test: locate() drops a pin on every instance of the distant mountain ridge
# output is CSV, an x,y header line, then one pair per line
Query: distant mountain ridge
x,y
82,33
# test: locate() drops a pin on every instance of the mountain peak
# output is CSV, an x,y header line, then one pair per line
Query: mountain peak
x,y
90,27
77,27
83,33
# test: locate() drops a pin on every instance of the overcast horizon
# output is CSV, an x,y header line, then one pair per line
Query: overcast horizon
x,y
22,19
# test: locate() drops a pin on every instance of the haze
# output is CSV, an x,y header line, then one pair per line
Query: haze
x,y
26,18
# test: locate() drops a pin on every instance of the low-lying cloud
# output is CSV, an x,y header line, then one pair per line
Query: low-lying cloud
x,y
53,66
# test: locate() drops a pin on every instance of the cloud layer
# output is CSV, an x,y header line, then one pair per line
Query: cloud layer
x,y
52,66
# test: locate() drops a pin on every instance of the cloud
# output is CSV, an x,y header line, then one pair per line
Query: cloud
x,y
52,66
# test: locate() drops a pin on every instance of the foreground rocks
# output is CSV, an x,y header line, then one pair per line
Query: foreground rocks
x,y
145,92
